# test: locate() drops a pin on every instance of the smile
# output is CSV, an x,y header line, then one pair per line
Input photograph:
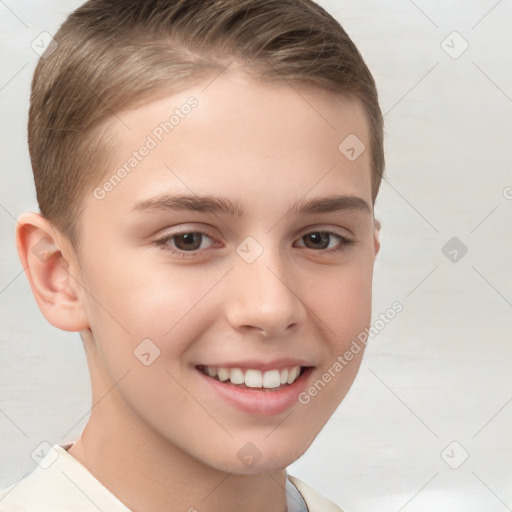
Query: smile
x,y
256,387
253,378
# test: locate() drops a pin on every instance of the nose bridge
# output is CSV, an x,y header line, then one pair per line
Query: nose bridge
x,y
261,298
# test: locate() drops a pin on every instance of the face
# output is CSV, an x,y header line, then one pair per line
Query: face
x,y
228,268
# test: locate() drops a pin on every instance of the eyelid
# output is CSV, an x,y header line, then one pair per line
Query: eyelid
x,y
182,229
331,233
319,228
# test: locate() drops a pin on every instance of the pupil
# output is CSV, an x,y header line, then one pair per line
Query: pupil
x,y
190,241
319,239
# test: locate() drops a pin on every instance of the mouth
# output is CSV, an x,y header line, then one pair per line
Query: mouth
x,y
263,391
253,378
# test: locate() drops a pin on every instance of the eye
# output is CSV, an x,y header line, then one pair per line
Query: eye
x,y
186,242
325,241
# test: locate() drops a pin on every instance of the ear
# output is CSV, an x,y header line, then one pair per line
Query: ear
x,y
376,237
47,256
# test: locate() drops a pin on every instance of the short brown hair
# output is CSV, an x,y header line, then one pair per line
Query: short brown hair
x,y
112,54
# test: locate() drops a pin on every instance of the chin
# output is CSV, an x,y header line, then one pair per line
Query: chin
x,y
261,456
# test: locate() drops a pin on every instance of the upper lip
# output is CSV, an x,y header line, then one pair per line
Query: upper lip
x,y
278,364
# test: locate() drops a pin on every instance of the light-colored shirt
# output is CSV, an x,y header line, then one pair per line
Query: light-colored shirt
x,y
62,484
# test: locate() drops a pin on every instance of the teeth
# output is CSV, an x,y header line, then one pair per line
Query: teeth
x,y
255,378
236,376
272,379
223,374
293,374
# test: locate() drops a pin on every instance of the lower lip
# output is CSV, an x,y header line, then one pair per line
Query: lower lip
x,y
258,401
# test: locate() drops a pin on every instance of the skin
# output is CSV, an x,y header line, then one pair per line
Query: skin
x,y
157,435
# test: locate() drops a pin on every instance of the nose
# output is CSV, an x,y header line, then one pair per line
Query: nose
x,y
262,299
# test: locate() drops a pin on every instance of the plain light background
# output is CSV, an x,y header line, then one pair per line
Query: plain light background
x,y
435,386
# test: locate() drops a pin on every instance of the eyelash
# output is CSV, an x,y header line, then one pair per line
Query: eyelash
x,y
162,243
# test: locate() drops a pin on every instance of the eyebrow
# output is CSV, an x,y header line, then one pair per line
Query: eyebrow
x,y
208,203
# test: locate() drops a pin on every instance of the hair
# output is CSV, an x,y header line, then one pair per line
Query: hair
x,y
114,54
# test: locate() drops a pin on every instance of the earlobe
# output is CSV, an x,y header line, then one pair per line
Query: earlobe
x,y
41,251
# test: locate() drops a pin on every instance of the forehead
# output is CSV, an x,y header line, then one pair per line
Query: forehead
x,y
241,136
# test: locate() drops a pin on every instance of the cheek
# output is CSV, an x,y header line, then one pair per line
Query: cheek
x,y
341,301
122,291
143,321
130,302
342,311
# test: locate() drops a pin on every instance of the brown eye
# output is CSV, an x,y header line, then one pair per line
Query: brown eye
x,y
188,241
317,240
325,242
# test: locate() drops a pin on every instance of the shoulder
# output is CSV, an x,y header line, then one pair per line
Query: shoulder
x,y
314,501
59,484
